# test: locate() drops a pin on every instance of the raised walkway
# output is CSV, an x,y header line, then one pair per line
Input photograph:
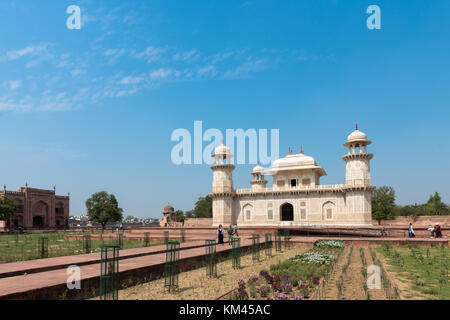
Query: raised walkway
x,y
41,265
52,284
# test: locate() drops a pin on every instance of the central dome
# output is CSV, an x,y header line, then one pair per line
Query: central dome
x,y
294,160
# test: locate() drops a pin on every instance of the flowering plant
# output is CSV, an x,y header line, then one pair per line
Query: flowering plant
x,y
276,286
253,278
320,258
286,288
329,244
264,291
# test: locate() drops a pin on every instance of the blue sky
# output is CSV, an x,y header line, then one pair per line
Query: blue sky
x,y
93,109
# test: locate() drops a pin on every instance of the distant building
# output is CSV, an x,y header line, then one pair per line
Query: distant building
x,y
38,208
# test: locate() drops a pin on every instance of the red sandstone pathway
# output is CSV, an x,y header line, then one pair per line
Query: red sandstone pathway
x,y
39,265
25,283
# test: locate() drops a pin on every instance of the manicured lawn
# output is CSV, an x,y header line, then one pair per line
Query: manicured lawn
x,y
23,247
424,269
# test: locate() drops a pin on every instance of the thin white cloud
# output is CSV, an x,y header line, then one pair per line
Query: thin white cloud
x,y
151,54
31,50
77,72
245,69
14,84
191,55
131,80
161,74
207,71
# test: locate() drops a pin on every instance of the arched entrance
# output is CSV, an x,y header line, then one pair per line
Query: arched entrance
x,y
287,212
41,214
38,221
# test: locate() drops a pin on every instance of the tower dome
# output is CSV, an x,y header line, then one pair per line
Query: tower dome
x,y
168,209
258,169
222,150
357,136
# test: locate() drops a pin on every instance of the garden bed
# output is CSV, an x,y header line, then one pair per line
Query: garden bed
x,y
296,278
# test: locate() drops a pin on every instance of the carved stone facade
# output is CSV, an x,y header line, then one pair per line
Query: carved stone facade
x,y
38,208
296,198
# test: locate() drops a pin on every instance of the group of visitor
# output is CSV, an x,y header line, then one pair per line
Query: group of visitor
x,y
435,231
232,231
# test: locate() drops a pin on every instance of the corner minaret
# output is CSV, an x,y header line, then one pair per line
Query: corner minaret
x,y
357,171
223,191
258,182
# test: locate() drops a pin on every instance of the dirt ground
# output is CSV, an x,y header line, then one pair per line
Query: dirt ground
x,y
375,294
353,279
196,286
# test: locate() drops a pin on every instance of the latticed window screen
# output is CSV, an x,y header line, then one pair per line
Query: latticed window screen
x,y
248,214
329,213
306,182
302,213
270,214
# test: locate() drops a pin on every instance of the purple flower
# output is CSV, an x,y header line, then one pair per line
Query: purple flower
x,y
286,288
253,278
315,279
299,298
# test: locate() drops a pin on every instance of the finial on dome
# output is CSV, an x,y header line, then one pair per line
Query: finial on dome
x,y
301,149
357,126
290,150
222,140
4,187
26,184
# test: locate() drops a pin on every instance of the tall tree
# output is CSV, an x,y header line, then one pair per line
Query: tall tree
x,y
435,206
383,204
103,208
203,208
7,209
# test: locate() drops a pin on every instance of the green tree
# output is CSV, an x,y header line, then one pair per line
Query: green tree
x,y
178,216
435,206
103,208
383,204
7,209
189,214
203,208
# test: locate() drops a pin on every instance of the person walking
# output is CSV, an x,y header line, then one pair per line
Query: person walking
x,y
230,232
411,231
236,231
220,234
